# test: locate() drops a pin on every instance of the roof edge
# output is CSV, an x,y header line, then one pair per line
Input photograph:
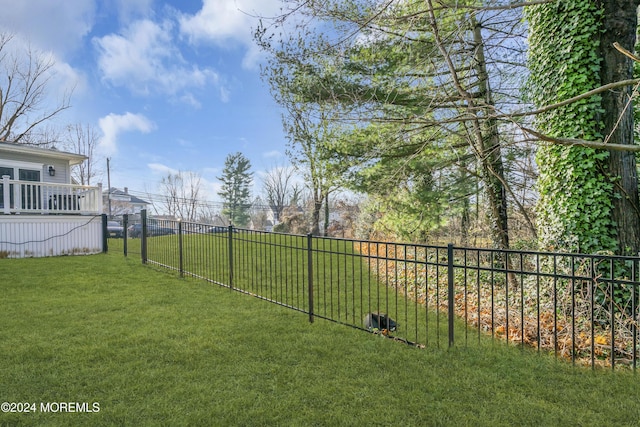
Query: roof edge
x,y
13,147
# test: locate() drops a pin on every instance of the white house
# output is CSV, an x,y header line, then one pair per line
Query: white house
x,y
42,213
122,202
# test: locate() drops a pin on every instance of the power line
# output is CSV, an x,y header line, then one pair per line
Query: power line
x,y
209,204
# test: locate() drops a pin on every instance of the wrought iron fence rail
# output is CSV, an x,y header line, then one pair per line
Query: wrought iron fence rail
x,y
580,307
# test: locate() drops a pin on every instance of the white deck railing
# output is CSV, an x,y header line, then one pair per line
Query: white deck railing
x,y
46,198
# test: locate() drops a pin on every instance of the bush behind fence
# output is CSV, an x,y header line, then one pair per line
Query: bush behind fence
x,y
580,307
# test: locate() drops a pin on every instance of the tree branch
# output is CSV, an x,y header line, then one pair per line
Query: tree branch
x,y
599,145
574,99
625,52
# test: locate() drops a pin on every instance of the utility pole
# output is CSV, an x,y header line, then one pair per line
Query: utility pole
x,y
109,186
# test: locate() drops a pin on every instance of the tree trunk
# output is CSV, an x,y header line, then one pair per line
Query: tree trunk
x,y
326,215
465,222
315,215
465,217
487,143
315,219
620,24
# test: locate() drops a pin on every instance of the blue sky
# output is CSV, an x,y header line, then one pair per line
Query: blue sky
x,y
169,85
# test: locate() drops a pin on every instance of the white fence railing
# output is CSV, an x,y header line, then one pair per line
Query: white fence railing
x,y
47,198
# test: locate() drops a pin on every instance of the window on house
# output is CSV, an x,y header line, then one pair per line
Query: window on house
x,y
6,171
29,175
31,194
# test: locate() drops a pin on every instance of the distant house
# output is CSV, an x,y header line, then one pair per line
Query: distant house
x,y
42,212
122,202
342,219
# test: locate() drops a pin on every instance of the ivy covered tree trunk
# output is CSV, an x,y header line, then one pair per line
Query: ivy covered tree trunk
x,y
620,25
575,206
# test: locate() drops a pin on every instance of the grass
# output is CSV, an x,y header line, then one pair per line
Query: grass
x,y
154,349
351,279
275,267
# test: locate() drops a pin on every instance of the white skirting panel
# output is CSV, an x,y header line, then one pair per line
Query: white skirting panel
x,y
23,236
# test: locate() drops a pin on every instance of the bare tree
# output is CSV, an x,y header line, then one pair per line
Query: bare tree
x,y
259,214
83,139
25,78
278,188
180,194
309,155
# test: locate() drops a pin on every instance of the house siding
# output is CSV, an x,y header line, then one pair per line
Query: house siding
x,y
61,166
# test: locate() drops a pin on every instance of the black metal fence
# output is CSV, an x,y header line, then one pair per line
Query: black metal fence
x,y
580,307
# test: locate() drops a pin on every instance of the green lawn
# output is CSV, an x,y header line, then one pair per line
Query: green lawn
x,y
275,267
153,349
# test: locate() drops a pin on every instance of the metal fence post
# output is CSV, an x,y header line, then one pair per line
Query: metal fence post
x,y
231,257
450,291
310,273
143,236
180,252
105,234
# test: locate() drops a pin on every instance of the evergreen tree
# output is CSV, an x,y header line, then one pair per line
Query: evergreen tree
x,y
236,192
406,87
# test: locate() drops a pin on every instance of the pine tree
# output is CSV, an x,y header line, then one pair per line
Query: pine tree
x,y
236,189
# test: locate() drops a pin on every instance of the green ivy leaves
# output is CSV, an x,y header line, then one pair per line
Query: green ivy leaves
x,y
575,204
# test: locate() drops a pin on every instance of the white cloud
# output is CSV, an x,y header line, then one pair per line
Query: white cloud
x,y
185,143
33,37
129,10
67,79
189,99
211,190
224,94
145,59
273,154
114,124
160,169
228,21
211,171
252,57
58,26
56,79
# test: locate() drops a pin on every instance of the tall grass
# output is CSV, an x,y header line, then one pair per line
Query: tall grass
x,y
154,349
